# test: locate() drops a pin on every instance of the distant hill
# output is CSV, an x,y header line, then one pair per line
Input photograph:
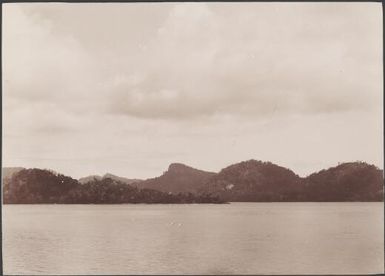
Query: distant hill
x,y
354,181
89,178
86,179
255,181
179,178
35,186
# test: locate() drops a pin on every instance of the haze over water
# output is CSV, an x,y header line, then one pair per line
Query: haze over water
x,y
236,238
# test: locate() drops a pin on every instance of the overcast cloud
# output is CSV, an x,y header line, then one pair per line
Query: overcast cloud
x,y
130,88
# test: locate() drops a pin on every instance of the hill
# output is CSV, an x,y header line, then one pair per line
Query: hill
x,y
179,178
263,181
90,178
37,186
354,181
255,181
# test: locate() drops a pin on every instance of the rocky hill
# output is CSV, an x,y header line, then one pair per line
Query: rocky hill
x,y
179,178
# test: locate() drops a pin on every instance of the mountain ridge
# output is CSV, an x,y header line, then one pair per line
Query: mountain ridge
x,y
258,181
89,178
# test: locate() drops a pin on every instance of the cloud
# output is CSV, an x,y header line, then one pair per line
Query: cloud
x,y
202,60
202,63
45,67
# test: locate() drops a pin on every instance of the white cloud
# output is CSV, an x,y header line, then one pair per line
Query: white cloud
x,y
239,64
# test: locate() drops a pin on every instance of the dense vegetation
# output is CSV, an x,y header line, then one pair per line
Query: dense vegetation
x,y
249,181
263,181
31,186
356,181
255,181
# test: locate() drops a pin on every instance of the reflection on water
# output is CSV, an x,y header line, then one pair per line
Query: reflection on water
x,y
237,238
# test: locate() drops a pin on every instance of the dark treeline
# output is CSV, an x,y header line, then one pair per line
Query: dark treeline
x,y
34,186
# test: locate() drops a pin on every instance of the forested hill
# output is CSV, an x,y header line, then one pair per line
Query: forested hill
x,y
178,178
33,186
354,181
248,181
257,181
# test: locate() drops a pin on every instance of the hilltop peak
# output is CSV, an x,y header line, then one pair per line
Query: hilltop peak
x,y
178,178
178,167
251,164
109,175
356,165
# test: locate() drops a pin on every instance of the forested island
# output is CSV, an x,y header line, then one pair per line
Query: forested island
x,y
31,186
248,181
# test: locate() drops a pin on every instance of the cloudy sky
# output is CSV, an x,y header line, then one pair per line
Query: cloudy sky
x,y
130,88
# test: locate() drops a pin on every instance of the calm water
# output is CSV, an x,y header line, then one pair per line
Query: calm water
x,y
237,238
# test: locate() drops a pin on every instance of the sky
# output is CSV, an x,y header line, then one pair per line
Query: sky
x,y
128,88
